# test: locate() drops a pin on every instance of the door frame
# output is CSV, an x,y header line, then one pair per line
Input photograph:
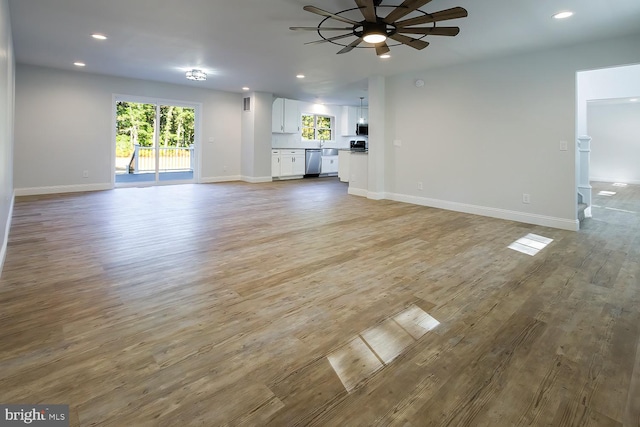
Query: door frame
x,y
197,146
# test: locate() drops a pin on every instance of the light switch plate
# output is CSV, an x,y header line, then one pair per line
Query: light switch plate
x,y
563,145
397,142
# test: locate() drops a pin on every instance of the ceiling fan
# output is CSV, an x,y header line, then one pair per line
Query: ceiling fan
x,y
376,30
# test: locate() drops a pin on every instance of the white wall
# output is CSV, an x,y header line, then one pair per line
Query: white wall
x,y
64,126
7,68
606,83
480,135
615,149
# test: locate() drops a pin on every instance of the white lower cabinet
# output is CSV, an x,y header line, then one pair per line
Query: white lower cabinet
x,y
289,163
329,164
275,163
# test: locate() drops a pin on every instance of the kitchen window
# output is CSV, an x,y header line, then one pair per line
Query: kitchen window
x,y
316,127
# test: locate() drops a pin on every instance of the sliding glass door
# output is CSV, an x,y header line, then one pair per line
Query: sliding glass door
x,y
155,142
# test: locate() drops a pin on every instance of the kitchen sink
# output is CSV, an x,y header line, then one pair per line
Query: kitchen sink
x,y
329,151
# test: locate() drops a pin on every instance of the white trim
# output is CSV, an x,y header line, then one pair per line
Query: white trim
x,y
612,180
3,247
358,192
214,179
286,178
376,196
256,179
57,189
528,218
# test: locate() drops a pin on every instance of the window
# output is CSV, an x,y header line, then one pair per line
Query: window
x,y
316,127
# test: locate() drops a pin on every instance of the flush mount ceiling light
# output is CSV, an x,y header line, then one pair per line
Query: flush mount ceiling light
x,y
384,56
300,76
633,100
197,75
79,64
99,36
245,88
563,15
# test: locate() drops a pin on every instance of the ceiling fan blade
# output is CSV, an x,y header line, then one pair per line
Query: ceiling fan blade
x,y
321,12
321,28
404,9
382,48
443,15
434,31
330,39
368,10
351,46
409,41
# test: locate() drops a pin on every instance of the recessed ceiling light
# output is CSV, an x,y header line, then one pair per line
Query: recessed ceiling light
x,y
563,15
99,36
633,100
79,64
300,76
384,56
245,88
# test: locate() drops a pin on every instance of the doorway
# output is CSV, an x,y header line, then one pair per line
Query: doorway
x,y
155,142
604,98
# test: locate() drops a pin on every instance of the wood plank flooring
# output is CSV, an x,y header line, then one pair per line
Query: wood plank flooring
x,y
292,303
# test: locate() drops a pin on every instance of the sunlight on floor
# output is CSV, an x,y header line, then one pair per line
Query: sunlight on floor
x,y
530,244
378,346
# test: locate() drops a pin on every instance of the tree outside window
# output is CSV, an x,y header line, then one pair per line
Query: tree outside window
x,y
316,128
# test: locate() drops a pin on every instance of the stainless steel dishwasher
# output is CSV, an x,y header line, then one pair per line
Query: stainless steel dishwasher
x,y
313,162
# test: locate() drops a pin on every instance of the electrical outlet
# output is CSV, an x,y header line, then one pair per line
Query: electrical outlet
x,y
85,174
526,198
419,185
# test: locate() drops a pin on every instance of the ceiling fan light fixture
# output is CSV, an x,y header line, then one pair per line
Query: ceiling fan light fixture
x,y
374,37
374,32
197,75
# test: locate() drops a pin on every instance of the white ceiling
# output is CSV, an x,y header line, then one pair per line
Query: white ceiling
x,y
248,42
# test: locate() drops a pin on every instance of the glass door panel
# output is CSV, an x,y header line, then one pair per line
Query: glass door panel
x,y
154,143
135,142
176,143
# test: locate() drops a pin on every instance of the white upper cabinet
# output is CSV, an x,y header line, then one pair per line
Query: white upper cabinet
x,y
351,117
286,116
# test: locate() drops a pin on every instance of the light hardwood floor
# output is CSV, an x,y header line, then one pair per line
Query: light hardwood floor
x,y
292,303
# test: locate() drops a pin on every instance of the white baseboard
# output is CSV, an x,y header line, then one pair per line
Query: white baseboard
x,y
257,179
56,189
214,179
376,196
5,241
528,218
357,192
612,180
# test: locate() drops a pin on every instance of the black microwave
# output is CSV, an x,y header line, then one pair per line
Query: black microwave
x,y
362,129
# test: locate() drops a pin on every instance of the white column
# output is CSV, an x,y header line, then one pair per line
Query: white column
x,y
584,159
377,106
